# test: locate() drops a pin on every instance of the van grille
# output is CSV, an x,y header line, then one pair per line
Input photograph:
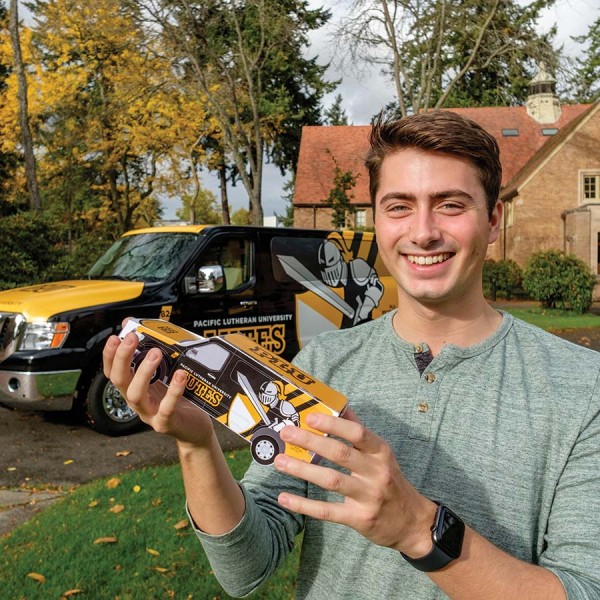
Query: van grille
x,y
11,326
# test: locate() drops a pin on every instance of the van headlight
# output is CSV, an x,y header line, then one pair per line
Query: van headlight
x,y
41,336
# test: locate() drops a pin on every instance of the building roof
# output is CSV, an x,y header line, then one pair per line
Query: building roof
x,y
348,145
546,151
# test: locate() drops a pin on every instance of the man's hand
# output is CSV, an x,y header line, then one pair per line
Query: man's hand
x,y
165,411
378,502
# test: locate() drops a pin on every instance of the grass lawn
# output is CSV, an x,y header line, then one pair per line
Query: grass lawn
x,y
554,318
124,542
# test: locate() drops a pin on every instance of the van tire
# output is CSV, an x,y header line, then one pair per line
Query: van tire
x,y
106,410
264,448
161,372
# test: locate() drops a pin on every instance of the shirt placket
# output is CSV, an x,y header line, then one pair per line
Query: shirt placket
x,y
425,399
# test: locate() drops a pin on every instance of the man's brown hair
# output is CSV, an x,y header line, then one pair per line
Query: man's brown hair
x,y
436,131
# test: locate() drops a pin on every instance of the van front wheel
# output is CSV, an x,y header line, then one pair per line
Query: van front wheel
x,y
264,448
107,411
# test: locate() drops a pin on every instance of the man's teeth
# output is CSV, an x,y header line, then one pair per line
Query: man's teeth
x,y
428,260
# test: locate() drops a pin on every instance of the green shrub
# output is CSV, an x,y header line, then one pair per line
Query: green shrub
x,y
501,278
29,245
34,249
559,280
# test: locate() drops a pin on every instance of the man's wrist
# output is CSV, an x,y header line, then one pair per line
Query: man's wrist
x,y
417,542
188,449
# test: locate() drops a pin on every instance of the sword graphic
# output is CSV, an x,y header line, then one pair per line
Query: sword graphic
x,y
298,272
243,381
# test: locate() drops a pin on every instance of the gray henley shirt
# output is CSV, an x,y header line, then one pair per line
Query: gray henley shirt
x,y
506,433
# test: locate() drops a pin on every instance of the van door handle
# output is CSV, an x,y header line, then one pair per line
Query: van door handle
x,y
248,302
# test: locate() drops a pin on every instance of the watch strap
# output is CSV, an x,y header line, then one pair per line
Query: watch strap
x,y
433,561
437,558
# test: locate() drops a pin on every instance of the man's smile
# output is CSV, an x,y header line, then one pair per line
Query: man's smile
x,y
430,259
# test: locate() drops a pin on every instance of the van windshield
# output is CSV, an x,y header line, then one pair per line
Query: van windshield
x,y
144,257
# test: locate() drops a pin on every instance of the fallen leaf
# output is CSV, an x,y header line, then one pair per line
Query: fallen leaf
x,y
106,540
123,453
93,504
160,569
182,524
11,469
153,552
157,502
116,509
232,455
70,593
70,461
37,576
113,483
136,489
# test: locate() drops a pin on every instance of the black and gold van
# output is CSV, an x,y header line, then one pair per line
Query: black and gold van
x,y
280,287
240,384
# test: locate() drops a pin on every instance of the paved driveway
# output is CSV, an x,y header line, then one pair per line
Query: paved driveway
x,y
43,455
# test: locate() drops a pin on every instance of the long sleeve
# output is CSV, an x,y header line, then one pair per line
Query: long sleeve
x,y
573,536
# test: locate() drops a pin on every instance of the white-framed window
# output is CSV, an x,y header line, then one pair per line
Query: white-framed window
x,y
360,219
590,186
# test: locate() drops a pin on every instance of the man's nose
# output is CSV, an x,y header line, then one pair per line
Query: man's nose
x,y
424,229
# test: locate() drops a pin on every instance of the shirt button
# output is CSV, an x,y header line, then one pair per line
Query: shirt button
x,y
429,377
423,407
418,348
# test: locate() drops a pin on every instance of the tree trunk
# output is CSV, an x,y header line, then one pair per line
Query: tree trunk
x,y
224,197
30,174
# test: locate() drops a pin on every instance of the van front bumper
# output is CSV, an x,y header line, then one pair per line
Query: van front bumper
x,y
39,391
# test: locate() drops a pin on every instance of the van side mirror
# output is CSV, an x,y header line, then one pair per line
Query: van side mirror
x,y
210,279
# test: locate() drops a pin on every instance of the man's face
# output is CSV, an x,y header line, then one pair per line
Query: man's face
x,y
432,226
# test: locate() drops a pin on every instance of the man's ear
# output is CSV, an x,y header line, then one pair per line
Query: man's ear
x,y
495,222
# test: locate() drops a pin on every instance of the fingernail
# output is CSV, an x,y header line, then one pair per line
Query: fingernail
x,y
312,420
179,377
155,355
281,461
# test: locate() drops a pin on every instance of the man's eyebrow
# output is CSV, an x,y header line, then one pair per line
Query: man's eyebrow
x,y
442,195
397,196
457,193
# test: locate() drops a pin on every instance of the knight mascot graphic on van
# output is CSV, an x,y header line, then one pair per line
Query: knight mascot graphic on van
x,y
343,279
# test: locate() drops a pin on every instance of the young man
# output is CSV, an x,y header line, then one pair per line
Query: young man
x,y
468,465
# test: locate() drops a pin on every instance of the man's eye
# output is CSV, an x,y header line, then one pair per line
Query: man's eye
x,y
451,206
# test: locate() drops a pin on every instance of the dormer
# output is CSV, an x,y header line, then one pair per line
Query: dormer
x,y
542,103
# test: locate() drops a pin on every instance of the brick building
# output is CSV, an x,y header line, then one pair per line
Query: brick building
x,y
551,174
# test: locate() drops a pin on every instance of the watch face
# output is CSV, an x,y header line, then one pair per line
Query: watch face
x,y
448,532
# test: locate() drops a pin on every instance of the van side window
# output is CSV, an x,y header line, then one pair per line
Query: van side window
x,y
211,356
234,255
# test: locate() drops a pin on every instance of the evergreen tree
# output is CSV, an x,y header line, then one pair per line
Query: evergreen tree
x,y
335,114
586,79
340,198
287,220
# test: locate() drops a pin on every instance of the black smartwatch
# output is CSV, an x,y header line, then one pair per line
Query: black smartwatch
x,y
447,533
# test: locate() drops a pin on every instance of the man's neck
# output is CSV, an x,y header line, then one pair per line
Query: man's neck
x,y
463,323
